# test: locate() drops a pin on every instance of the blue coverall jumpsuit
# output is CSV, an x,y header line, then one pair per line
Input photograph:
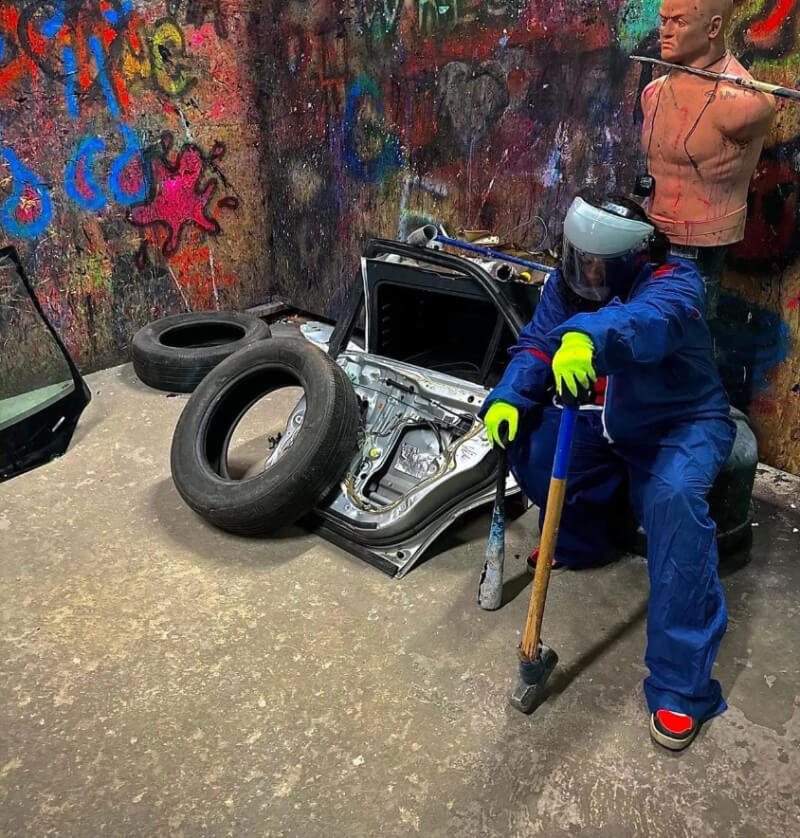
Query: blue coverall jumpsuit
x,y
663,432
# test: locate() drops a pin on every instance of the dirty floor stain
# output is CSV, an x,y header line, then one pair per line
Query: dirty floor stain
x,y
158,677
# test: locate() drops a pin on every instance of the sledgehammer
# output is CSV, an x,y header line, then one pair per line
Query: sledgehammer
x,y
537,661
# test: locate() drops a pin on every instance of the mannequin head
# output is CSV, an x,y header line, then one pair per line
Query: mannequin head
x,y
692,32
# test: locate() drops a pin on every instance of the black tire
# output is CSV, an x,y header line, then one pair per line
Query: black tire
x,y
304,475
176,353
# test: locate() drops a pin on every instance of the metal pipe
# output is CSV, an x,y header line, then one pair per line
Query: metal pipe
x,y
750,84
495,254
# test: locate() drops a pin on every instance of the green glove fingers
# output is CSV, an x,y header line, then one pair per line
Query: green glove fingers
x,y
498,413
572,363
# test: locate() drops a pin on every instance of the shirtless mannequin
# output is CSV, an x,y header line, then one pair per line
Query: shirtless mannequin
x,y
702,138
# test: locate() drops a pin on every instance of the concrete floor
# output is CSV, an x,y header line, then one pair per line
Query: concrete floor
x,y
158,677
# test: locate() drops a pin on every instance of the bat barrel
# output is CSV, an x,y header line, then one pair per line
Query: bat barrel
x,y
490,589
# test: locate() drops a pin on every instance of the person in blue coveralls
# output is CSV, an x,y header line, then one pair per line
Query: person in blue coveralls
x,y
625,322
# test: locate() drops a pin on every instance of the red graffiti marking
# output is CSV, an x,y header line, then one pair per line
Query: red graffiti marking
x,y
122,91
773,207
80,180
764,405
37,41
794,303
9,18
764,33
179,194
30,206
21,64
197,275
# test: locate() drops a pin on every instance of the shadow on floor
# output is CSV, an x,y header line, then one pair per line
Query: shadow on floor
x,y
189,530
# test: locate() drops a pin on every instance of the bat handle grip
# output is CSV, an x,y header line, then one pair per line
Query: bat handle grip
x,y
502,466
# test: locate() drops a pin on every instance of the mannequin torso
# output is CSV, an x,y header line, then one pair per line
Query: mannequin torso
x,y
703,139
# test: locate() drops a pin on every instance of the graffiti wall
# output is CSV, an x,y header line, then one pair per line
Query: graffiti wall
x,y
494,114
130,163
164,155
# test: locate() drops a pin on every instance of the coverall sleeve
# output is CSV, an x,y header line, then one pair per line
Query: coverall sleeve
x,y
528,374
646,329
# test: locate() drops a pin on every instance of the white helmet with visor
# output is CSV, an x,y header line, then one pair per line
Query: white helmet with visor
x,y
605,247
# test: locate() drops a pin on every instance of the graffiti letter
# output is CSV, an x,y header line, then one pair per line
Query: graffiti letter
x,y
128,180
79,182
102,75
135,56
28,209
71,72
167,48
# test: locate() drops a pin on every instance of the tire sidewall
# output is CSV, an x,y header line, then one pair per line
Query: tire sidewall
x,y
295,475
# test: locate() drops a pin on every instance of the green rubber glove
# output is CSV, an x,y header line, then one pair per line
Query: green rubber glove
x,y
572,363
501,412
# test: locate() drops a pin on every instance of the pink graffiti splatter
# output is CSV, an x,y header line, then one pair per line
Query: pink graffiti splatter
x,y
180,195
794,303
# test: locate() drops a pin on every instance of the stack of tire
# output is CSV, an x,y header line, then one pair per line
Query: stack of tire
x,y
228,361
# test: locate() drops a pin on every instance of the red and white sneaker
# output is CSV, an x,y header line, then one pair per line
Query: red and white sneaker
x,y
532,559
673,730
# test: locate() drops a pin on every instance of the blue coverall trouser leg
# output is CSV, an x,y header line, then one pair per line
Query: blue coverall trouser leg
x,y
669,482
595,483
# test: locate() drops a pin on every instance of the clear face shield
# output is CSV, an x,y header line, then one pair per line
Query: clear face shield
x,y
603,250
599,278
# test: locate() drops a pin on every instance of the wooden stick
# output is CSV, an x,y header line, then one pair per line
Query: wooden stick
x,y
529,647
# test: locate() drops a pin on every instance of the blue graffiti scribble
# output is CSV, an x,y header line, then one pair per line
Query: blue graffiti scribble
x,y
552,174
751,341
102,75
70,87
115,180
80,166
23,179
361,162
114,17
2,47
51,27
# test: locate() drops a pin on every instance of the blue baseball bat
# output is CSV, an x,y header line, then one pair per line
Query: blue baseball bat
x,y
490,588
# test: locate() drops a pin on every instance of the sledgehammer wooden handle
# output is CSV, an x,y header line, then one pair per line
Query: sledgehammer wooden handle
x,y
529,648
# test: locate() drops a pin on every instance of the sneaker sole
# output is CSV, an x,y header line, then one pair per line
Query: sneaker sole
x,y
668,741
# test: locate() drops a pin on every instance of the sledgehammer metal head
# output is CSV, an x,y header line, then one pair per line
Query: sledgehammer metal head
x,y
529,689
